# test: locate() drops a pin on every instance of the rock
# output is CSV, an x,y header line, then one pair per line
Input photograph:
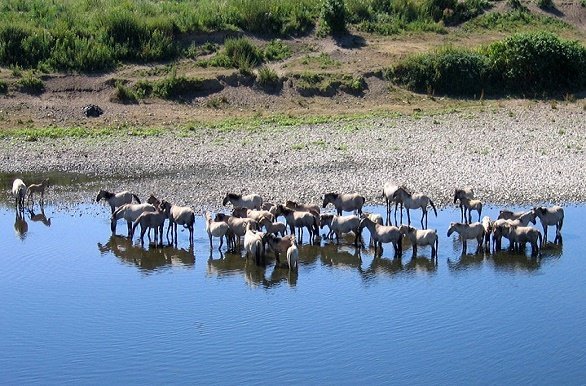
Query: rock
x,y
92,110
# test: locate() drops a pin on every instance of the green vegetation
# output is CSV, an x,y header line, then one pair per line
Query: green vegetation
x,y
276,50
322,61
267,77
124,94
31,83
308,84
527,63
332,17
515,21
3,87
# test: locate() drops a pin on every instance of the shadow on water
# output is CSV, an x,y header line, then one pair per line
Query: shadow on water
x,y
234,264
148,258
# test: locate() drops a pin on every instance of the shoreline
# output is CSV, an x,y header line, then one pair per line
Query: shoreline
x,y
510,156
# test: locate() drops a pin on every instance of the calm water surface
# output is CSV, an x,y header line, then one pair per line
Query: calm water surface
x,y
78,305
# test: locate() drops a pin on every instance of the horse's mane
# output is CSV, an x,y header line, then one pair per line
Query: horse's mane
x,y
234,196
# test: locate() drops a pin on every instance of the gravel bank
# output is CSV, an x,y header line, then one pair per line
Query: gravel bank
x,y
527,155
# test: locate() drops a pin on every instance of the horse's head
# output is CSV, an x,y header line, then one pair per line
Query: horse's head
x,y
101,195
452,228
329,198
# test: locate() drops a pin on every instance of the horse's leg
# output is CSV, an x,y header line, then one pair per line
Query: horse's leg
x,y
129,225
422,216
408,217
464,246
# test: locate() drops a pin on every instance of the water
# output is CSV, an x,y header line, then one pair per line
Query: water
x,y
78,305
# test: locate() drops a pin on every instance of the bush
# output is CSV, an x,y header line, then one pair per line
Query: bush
x,y
174,87
242,53
276,50
3,87
545,4
524,63
123,94
267,77
332,19
537,62
446,71
30,83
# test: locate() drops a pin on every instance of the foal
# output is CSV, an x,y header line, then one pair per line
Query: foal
x,y
38,188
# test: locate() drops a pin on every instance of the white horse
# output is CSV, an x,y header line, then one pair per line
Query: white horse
x,y
421,237
519,235
415,201
253,244
250,201
347,202
19,193
216,229
116,200
549,217
178,215
150,220
293,257
130,212
468,232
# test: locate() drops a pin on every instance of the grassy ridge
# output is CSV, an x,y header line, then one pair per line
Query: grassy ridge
x,y
96,35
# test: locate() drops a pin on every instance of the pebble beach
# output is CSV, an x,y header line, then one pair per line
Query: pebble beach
x,y
522,156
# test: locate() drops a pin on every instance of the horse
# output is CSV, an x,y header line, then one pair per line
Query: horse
x,y
129,212
459,194
348,202
279,244
178,215
19,193
250,201
296,219
414,201
216,229
237,227
150,220
293,257
468,232
525,217
253,244
551,216
273,227
389,190
520,235
117,199
487,224
382,234
374,217
342,224
470,205
419,237
254,214
302,207
38,188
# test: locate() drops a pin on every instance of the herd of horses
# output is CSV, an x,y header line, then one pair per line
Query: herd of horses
x,y
254,224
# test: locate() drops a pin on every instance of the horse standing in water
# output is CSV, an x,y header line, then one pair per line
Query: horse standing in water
x,y
415,201
116,200
19,193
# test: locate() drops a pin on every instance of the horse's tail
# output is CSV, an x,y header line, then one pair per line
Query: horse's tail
x,y
561,222
117,213
136,198
433,207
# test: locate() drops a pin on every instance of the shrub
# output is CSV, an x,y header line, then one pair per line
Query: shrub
x,y
174,87
537,62
3,87
523,63
242,53
123,94
277,50
332,19
143,89
446,71
267,77
30,83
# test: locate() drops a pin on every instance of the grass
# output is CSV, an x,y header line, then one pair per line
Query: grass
x,y
31,83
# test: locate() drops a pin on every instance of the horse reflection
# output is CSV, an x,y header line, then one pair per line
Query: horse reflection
x,y
233,264
20,225
341,256
422,264
39,217
506,261
150,259
466,262
380,266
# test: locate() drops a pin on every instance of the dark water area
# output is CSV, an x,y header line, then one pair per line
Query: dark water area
x,y
78,304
